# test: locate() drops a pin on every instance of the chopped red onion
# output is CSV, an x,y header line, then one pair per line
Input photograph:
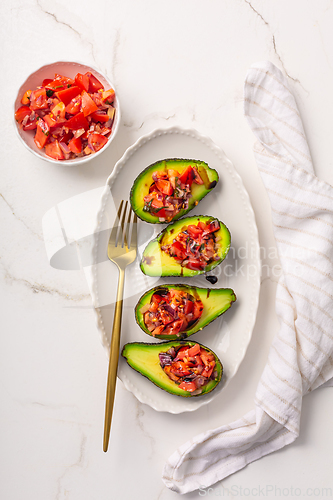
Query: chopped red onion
x,y
200,381
172,352
165,359
170,310
64,148
78,132
25,120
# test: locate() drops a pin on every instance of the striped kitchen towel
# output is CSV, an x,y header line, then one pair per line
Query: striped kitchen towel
x,y
300,358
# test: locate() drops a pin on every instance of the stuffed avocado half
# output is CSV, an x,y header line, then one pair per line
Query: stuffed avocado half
x,y
183,368
170,188
187,247
176,311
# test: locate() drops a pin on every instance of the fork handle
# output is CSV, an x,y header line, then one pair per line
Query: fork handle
x,y
113,362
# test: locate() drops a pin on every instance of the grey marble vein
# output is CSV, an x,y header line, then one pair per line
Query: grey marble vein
x,y
19,219
78,463
115,60
39,287
57,20
274,44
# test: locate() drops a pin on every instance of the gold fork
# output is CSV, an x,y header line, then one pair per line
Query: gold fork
x,y
122,252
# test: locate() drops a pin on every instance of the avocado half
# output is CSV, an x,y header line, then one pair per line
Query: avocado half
x,y
155,262
215,301
143,358
142,183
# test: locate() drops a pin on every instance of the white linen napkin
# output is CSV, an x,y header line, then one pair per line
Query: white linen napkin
x,y
300,358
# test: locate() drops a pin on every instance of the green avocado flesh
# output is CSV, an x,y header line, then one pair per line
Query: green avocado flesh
x,y
215,301
142,183
144,359
155,262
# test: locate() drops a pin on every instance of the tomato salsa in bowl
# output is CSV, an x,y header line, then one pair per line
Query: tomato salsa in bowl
x,y
67,112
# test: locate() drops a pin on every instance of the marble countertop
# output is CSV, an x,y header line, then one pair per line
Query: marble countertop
x,y
172,63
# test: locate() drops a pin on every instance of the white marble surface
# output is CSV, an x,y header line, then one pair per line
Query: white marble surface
x,y
173,63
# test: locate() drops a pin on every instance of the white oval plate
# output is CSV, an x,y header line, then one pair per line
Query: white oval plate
x,y
229,335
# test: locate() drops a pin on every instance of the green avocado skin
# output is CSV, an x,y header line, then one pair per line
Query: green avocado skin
x,y
144,180
143,358
155,262
215,301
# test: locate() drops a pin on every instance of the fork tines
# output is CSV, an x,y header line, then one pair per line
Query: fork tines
x,y
124,232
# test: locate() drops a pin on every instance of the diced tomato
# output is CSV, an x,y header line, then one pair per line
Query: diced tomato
x,y
94,84
75,145
153,307
108,96
187,176
87,104
194,350
21,113
149,198
206,357
59,110
197,309
54,102
97,141
64,79
54,151
188,308
38,99
164,186
188,386
42,133
31,124
80,98
51,120
157,203
182,353
176,327
167,370
195,265
212,227
159,175
82,81
158,330
178,250
156,298
67,95
166,317
207,371
161,213
46,81
179,368
60,82
77,121
194,231
26,98
74,106
97,98
173,173
201,225
65,136
197,178
198,360
100,116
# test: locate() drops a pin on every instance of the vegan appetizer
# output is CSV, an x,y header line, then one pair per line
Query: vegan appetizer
x,y
169,189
